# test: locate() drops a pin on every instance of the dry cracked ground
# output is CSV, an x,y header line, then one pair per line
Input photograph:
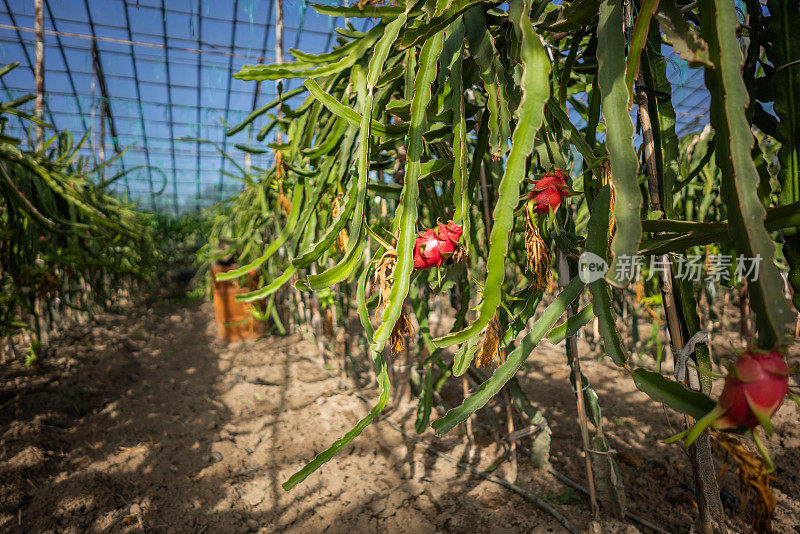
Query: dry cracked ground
x,y
147,423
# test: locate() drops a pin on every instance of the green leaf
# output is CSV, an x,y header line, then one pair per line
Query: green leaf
x,y
406,215
425,402
784,33
673,394
329,141
784,54
740,178
263,109
349,114
371,12
464,356
640,30
383,395
269,289
699,427
536,91
356,199
344,268
562,122
512,364
763,416
683,37
288,230
619,139
670,148
313,252
484,52
571,326
436,168
576,14
385,190
278,71
325,456
602,306
445,13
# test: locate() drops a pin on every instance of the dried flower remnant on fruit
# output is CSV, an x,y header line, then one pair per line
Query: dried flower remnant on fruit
x,y
490,345
279,174
459,255
435,245
753,482
402,328
336,209
361,4
754,390
612,222
279,171
537,255
328,323
548,192
640,294
381,280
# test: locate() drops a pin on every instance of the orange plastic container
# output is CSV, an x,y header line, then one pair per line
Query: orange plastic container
x,y
234,321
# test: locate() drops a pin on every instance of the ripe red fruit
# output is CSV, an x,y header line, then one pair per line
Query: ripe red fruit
x,y
754,389
434,246
549,191
449,234
426,251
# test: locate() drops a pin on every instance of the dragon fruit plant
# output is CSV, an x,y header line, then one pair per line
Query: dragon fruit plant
x,y
442,111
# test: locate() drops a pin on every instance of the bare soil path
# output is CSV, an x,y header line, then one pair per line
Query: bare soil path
x,y
147,423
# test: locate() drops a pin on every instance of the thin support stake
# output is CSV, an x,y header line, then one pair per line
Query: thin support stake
x,y
169,108
39,71
572,355
139,105
18,29
228,98
278,50
257,90
199,104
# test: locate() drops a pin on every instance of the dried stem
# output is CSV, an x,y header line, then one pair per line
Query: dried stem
x,y
512,446
468,422
709,502
575,363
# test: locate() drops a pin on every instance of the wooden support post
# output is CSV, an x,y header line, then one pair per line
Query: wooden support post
x,y
575,363
708,497
278,50
39,70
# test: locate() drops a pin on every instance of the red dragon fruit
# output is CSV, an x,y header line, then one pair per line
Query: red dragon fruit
x,y
549,191
435,245
754,389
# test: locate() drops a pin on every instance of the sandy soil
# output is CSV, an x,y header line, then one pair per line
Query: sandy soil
x,y
146,422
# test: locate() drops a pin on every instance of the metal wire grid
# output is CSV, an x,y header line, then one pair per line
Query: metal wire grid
x,y
164,73
144,76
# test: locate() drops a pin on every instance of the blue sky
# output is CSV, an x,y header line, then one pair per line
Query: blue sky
x,y
180,92
192,112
